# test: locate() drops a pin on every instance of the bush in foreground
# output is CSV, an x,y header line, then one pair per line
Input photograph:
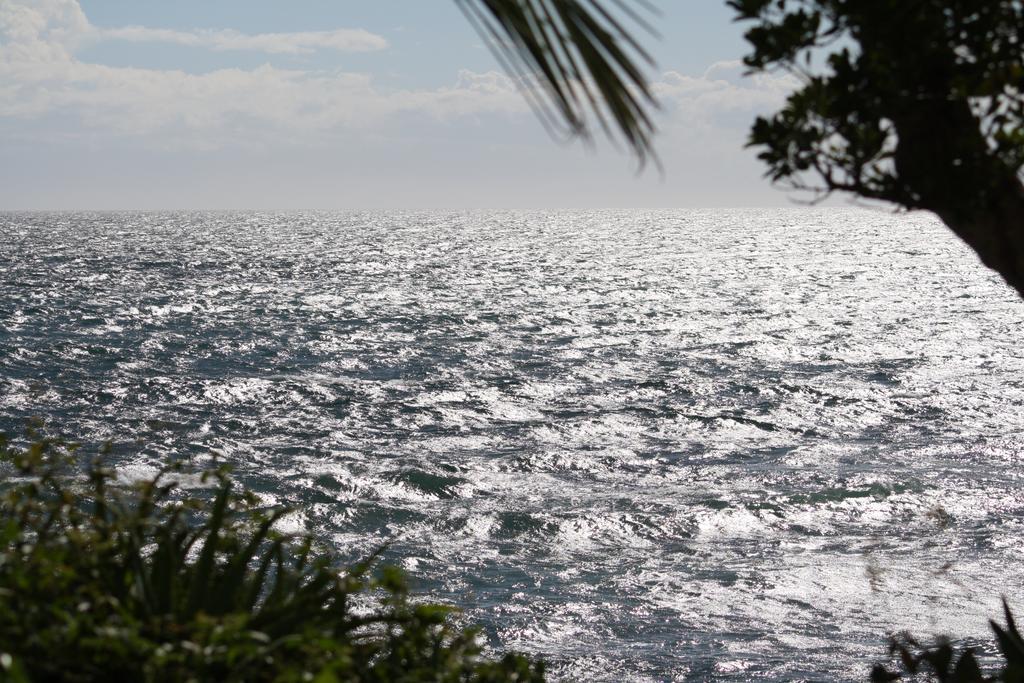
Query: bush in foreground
x,y
104,581
943,663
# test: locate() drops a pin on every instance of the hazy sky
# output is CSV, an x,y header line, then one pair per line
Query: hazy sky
x,y
341,104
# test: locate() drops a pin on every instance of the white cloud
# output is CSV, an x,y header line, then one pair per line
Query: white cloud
x,y
48,24
41,74
722,93
343,40
42,30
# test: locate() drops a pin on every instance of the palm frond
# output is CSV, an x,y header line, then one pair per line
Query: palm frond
x,y
576,62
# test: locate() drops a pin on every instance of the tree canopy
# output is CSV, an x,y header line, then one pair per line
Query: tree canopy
x,y
919,103
915,102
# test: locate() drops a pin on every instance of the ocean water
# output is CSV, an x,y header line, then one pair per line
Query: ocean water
x,y
645,445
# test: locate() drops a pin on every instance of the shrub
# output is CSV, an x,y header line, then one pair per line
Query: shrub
x,y
943,663
107,581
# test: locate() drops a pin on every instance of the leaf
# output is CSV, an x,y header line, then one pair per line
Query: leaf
x,y
967,669
879,674
573,61
200,584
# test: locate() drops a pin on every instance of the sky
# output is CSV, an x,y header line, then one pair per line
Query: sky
x,y
344,104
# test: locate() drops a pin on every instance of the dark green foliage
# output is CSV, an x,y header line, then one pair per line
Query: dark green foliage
x,y
942,663
571,57
869,70
915,102
103,581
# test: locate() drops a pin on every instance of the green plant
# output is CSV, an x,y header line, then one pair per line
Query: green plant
x,y
106,581
942,662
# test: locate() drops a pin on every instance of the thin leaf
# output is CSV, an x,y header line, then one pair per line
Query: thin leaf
x,y
585,62
201,578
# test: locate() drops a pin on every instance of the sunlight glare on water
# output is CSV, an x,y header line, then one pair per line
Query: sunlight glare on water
x,y
740,445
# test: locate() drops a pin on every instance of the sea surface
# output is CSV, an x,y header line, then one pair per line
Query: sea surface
x,y
645,445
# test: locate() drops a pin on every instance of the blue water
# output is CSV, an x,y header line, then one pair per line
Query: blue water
x,y
740,445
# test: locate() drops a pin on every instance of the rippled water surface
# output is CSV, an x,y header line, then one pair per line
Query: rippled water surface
x,y
740,445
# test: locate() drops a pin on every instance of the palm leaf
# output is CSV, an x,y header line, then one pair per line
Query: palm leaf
x,y
575,63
